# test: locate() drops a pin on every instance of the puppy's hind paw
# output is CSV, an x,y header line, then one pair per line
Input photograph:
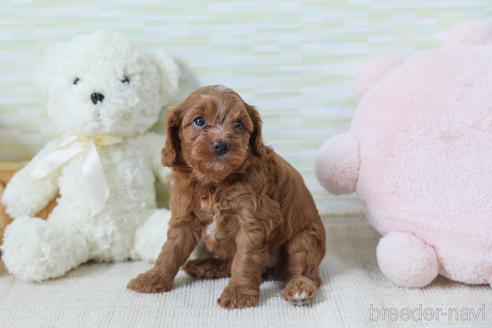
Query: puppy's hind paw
x,y
207,268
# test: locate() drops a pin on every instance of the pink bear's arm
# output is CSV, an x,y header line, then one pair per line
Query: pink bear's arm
x,y
338,163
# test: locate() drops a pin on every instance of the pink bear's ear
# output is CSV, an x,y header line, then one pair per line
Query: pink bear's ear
x,y
374,72
468,34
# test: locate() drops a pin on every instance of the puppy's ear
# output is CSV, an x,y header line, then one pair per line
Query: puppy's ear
x,y
171,153
256,139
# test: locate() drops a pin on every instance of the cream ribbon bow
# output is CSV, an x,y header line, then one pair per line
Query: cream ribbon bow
x,y
92,168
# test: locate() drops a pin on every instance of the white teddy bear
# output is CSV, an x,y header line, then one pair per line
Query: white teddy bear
x,y
104,95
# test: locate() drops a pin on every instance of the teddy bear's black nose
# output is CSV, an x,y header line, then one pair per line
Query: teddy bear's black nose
x,y
97,97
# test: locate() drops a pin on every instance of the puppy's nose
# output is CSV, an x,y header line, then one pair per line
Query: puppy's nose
x,y
97,97
220,147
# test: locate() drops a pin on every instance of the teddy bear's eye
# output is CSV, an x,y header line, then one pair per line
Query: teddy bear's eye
x,y
76,80
125,79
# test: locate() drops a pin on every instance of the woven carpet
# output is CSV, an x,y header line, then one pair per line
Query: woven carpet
x,y
354,294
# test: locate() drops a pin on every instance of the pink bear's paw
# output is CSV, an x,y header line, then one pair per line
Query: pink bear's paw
x,y
407,260
337,164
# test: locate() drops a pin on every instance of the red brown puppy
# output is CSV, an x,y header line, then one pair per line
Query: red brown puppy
x,y
247,204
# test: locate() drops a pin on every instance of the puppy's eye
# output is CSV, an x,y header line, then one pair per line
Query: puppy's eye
x,y
238,126
125,79
76,80
199,122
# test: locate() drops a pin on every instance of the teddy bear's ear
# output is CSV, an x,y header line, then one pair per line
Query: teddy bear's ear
x,y
46,69
468,34
374,72
169,73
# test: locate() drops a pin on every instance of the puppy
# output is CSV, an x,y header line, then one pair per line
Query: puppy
x,y
250,208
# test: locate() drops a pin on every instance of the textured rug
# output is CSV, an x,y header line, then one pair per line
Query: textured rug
x,y
354,294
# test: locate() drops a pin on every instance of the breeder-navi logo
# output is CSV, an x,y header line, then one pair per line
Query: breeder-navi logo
x,y
422,313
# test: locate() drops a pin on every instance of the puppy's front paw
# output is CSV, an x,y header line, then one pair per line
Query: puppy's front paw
x,y
150,282
300,291
238,297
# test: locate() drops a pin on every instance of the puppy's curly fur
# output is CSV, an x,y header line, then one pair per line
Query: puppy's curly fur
x,y
247,204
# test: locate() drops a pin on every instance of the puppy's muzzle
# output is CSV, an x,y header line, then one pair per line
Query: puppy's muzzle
x,y
220,147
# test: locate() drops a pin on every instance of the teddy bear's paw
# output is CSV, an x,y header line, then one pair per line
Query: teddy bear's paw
x,y
36,250
407,260
16,205
150,236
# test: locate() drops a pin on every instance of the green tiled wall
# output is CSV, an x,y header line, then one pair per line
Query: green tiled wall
x,y
293,59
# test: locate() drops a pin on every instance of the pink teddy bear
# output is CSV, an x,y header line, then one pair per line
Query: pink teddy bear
x,y
419,155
